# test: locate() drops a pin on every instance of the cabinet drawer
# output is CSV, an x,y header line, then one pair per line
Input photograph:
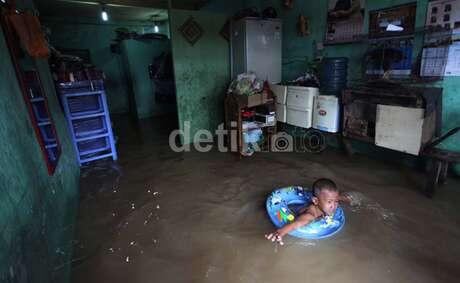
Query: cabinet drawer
x,y
299,118
301,98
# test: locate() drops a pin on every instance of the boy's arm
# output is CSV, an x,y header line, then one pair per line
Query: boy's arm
x,y
302,220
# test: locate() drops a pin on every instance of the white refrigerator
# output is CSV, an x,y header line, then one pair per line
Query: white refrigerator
x,y
256,47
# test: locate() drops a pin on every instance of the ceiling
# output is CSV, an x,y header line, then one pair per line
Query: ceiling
x,y
119,10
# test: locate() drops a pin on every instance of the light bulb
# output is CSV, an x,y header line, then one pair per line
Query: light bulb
x,y
156,29
104,15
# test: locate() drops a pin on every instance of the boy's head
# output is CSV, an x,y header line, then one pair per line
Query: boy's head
x,y
325,195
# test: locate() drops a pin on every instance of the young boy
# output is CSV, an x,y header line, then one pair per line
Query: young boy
x,y
325,201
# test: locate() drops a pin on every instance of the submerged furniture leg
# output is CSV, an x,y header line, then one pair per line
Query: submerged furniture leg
x,y
347,145
443,174
433,177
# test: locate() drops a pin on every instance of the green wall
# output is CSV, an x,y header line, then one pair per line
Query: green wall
x,y
201,71
138,55
37,212
229,7
298,51
95,36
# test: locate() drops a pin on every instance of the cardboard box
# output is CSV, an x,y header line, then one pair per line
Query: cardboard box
x,y
254,100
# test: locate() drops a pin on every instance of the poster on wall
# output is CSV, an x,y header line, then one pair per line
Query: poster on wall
x,y
453,61
345,21
393,21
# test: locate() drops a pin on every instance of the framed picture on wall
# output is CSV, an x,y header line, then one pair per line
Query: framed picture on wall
x,y
393,21
345,21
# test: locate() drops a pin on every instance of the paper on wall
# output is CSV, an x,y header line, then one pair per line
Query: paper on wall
x,y
453,61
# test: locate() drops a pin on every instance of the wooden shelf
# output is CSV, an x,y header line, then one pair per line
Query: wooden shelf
x,y
234,104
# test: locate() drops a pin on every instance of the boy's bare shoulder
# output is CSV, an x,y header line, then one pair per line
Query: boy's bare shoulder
x,y
313,211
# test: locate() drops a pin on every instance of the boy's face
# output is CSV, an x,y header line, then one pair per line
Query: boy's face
x,y
328,201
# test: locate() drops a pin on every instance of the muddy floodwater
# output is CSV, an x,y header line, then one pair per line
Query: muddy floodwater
x,y
159,216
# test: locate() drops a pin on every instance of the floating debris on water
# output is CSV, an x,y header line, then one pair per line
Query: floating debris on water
x,y
306,243
210,270
127,259
158,206
360,202
132,243
111,250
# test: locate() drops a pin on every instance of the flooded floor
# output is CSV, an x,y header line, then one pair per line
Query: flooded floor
x,y
159,216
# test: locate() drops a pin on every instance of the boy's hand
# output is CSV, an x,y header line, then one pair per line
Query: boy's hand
x,y
278,235
275,237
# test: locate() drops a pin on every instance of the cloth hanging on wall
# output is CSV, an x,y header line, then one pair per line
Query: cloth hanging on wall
x,y
27,27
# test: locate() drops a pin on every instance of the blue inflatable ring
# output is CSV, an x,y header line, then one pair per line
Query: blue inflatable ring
x,y
281,209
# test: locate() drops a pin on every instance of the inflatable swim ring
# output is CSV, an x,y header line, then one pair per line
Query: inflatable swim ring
x,y
283,205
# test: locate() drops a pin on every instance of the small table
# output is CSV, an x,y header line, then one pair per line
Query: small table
x,y
439,162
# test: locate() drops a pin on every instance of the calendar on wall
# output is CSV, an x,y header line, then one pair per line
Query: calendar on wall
x,y
345,21
441,52
443,13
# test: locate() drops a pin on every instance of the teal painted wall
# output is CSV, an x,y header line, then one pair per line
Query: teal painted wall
x,y
96,37
138,55
229,7
298,51
201,71
37,211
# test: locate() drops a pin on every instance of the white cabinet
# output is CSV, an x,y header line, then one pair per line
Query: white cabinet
x,y
281,110
280,92
300,105
301,98
299,118
326,114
